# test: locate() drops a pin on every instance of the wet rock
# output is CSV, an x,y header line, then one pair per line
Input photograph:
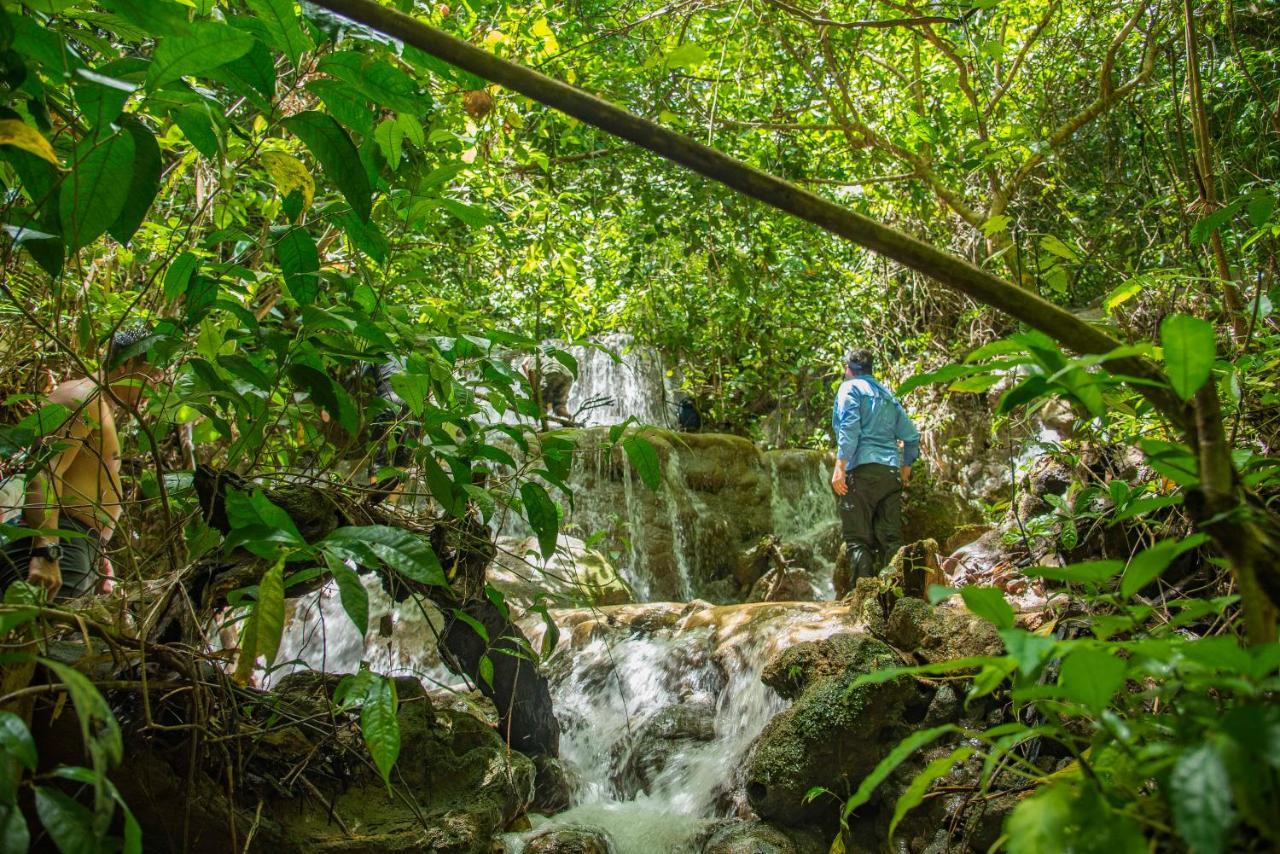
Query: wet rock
x,y
669,732
784,584
833,735
749,837
915,567
552,785
570,839
938,633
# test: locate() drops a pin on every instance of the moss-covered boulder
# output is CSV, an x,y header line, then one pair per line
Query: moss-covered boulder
x,y
940,633
834,734
570,839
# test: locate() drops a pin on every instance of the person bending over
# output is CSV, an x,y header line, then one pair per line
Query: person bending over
x,y
78,488
870,470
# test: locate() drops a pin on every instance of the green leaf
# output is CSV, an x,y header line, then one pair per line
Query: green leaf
x,y
920,784
989,604
98,725
69,823
94,194
443,487
269,612
143,184
472,215
644,457
896,757
197,125
354,596
207,46
1200,799
14,834
407,553
337,155
1148,565
1027,649
161,17
1041,822
687,55
380,727
486,671
1030,389
541,512
282,23
1091,676
1088,572
178,276
300,262
16,740
1189,352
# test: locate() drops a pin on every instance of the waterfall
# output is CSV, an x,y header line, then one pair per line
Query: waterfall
x,y
609,391
608,688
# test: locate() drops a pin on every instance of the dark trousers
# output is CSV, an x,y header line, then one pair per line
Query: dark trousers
x,y
80,564
871,518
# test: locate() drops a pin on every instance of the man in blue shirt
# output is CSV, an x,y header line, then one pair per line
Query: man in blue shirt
x,y
870,472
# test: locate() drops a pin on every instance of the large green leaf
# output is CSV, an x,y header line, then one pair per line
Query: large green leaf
x,y
14,834
269,612
69,823
337,156
98,726
300,262
1091,676
282,22
645,458
1200,799
1189,351
206,46
380,727
541,512
144,183
197,125
353,595
1149,564
989,604
1041,822
407,553
94,194
16,740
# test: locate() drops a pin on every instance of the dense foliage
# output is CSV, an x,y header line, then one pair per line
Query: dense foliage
x,y
292,198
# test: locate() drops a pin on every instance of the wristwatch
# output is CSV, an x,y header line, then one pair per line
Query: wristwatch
x,y
53,552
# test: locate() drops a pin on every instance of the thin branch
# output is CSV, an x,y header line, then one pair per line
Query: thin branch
x,y
878,24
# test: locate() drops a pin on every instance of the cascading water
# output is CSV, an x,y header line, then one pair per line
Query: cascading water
x,y
610,690
610,390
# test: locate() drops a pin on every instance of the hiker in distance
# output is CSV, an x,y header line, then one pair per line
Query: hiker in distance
x,y
870,470
78,488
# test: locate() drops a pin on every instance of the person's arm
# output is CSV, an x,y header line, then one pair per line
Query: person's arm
x,y
847,423
910,438
45,485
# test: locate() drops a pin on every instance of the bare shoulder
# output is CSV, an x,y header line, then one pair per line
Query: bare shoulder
x,y
74,393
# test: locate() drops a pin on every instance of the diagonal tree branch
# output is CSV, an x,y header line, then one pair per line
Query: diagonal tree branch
x,y
953,272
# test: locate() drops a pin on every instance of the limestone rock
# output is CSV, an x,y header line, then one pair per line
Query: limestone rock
x,y
668,732
784,584
749,837
570,839
833,735
932,509
938,633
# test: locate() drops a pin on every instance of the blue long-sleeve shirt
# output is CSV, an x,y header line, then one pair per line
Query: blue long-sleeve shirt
x,y
868,422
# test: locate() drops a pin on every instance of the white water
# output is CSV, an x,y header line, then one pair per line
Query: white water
x,y
634,386
615,683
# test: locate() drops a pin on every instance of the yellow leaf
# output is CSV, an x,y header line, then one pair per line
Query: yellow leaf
x,y
289,174
18,133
